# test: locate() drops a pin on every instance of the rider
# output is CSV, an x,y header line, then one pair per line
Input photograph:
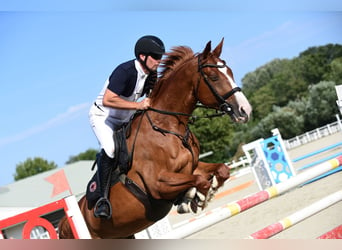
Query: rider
x,y
117,101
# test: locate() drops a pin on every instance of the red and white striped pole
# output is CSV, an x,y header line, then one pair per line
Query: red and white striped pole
x,y
296,217
336,233
234,208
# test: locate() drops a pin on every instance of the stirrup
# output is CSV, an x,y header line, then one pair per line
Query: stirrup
x,y
100,212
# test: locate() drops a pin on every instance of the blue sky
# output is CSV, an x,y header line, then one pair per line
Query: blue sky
x,y
55,57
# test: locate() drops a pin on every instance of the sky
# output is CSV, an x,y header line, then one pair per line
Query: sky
x,y
56,55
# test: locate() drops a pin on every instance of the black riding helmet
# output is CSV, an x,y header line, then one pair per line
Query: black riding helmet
x,y
149,46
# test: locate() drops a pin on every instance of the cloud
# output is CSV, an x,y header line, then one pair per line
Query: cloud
x,y
278,38
59,119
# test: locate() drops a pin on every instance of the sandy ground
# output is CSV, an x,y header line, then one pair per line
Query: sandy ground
x,y
243,224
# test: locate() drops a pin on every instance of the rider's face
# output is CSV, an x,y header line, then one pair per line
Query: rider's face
x,y
151,62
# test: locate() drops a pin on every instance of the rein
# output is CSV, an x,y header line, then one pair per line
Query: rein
x,y
168,112
193,118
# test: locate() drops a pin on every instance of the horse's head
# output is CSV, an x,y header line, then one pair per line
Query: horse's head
x,y
217,88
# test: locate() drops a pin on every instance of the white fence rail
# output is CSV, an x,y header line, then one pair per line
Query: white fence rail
x,y
313,135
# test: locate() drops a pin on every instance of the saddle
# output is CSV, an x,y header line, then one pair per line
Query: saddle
x,y
155,209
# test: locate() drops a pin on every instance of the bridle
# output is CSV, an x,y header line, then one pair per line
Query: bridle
x,y
223,105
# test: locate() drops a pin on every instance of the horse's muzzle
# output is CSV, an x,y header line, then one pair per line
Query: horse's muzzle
x,y
241,114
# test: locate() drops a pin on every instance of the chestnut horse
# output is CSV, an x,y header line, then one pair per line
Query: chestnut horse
x,y
166,162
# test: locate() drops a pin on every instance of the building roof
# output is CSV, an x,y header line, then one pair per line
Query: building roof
x,y
35,190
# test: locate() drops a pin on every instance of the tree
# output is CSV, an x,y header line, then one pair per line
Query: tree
x,y
87,155
316,61
262,102
32,167
285,119
213,135
321,105
295,85
335,74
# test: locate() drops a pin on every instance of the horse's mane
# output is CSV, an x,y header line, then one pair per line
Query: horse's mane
x,y
173,60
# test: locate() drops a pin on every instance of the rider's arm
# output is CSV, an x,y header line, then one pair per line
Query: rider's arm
x,y
112,100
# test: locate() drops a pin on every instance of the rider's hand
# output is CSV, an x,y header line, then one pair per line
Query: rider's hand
x,y
144,104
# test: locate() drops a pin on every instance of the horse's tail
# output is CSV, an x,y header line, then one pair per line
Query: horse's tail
x,y
64,229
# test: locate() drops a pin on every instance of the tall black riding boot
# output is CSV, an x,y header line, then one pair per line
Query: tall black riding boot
x,y
103,208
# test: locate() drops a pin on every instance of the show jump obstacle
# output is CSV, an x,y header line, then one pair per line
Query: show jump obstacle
x,y
298,216
270,161
237,207
33,218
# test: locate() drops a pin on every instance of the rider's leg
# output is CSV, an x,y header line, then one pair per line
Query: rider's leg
x,y
102,207
103,129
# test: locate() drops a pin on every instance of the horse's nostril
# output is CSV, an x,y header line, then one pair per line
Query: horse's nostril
x,y
243,112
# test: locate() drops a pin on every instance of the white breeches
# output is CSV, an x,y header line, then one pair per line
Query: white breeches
x,y
103,128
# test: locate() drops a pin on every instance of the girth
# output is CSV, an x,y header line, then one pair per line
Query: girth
x,y
155,209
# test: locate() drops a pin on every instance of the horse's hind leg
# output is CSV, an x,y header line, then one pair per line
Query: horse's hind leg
x,y
64,229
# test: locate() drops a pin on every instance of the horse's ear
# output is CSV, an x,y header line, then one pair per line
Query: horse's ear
x,y
207,50
217,51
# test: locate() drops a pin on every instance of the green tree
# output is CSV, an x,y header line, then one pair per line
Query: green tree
x,y
321,105
213,135
285,119
315,61
32,167
335,73
89,154
261,76
262,102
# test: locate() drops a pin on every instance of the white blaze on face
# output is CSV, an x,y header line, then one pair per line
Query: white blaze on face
x,y
223,70
240,97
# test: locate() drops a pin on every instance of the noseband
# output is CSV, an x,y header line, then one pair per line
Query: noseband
x,y
223,105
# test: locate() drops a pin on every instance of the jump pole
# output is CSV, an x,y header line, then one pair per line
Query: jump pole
x,y
234,208
336,233
296,217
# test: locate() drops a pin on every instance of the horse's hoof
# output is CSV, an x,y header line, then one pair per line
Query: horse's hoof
x,y
200,196
194,207
183,208
190,194
214,182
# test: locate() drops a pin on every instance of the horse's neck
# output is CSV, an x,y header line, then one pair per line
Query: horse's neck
x,y
176,95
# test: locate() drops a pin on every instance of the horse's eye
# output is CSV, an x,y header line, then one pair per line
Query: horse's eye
x,y
214,77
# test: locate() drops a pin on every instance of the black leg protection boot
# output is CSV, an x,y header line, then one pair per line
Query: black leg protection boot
x,y
103,208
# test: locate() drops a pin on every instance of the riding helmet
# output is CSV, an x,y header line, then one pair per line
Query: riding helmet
x,y
149,45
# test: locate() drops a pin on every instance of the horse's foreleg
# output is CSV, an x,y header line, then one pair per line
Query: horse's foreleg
x,y
170,184
217,174
208,170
